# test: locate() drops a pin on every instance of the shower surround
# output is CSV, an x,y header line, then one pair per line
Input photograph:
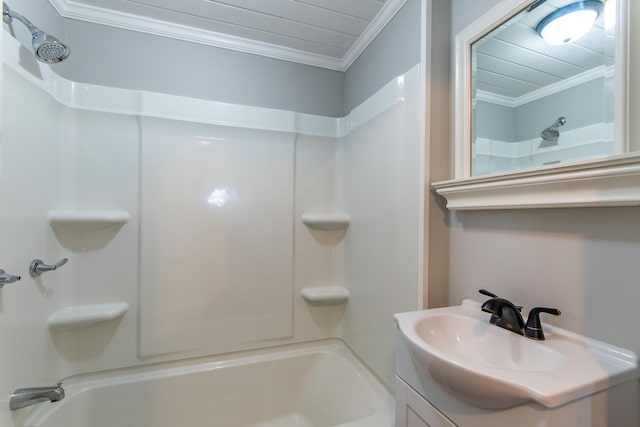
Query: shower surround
x,y
181,219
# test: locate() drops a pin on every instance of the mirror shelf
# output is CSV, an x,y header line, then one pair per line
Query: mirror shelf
x,y
614,181
593,163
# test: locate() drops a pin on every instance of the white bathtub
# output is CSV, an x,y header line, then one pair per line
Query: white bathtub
x,y
318,385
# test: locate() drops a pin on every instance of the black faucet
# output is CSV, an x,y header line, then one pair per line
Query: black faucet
x,y
533,328
507,315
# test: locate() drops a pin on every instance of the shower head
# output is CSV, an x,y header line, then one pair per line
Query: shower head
x,y
45,47
551,133
49,49
560,121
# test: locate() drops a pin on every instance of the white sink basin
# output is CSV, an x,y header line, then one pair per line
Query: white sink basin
x,y
478,342
490,367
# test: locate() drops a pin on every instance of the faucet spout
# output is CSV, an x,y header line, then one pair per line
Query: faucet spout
x,y
504,314
507,315
7,278
23,397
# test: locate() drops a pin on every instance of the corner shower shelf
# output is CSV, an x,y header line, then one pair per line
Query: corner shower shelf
x,y
326,221
327,295
82,221
86,315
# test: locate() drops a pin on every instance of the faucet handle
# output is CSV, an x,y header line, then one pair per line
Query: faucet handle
x,y
488,306
533,328
487,293
37,267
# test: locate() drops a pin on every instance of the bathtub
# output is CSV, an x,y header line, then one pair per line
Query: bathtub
x,y
311,385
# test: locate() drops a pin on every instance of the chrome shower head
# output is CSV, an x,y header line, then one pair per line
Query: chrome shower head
x,y
551,133
45,47
49,49
560,121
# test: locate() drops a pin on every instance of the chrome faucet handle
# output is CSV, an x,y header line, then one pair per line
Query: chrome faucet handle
x,y
37,267
7,278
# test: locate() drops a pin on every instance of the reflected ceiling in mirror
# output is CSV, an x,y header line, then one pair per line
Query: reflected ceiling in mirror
x,y
536,104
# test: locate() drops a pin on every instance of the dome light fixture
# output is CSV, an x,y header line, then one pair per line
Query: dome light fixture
x,y
570,23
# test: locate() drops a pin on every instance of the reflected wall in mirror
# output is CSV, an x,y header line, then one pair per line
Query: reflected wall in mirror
x,y
535,103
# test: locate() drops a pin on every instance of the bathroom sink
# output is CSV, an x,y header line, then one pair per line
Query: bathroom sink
x,y
490,367
477,342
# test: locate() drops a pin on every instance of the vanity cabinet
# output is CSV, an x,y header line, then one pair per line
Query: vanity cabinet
x,y
420,402
412,410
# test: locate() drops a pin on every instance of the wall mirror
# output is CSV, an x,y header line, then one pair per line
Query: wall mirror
x,y
535,103
539,95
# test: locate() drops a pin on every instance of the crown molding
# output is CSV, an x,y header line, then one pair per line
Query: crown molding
x,y
75,10
568,83
388,11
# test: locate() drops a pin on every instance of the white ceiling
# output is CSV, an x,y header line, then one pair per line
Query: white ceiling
x,y
515,62
325,33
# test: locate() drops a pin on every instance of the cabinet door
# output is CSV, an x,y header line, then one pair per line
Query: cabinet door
x,y
412,410
414,420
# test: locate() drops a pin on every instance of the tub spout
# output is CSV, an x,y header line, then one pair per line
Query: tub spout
x,y
30,396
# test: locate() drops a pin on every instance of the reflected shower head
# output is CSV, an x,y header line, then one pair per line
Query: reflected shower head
x,y
45,47
551,133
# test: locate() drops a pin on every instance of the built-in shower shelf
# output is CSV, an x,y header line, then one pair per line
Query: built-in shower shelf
x,y
326,295
86,315
326,221
82,221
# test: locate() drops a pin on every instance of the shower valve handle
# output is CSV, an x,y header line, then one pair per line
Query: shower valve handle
x,y
37,267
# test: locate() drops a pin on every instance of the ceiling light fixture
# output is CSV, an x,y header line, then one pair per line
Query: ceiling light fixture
x,y
569,23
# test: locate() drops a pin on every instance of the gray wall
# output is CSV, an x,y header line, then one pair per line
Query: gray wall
x,y
393,52
493,121
111,56
582,106
582,260
464,12
114,57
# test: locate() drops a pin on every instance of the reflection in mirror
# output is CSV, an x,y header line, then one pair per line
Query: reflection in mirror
x,y
536,103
